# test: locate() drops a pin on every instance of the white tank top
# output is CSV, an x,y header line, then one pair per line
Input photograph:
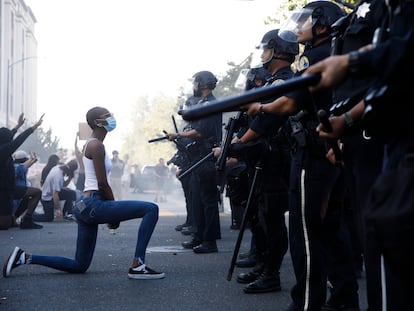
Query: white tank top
x,y
91,183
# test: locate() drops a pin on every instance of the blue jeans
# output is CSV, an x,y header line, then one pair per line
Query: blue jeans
x,y
98,211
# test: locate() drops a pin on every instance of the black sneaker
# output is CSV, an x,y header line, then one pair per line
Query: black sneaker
x,y
16,258
143,272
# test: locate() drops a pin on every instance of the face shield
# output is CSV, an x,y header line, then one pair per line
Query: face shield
x,y
240,83
300,20
261,56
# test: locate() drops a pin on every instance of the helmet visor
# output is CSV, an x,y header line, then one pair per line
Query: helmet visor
x,y
261,55
241,79
300,20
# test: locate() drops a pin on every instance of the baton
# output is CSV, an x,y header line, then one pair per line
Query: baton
x,y
195,165
175,124
157,139
243,223
233,103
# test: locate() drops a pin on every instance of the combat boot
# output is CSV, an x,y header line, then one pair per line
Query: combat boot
x,y
266,282
245,278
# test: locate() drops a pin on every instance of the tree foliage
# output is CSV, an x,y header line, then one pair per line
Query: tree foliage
x,y
148,119
43,143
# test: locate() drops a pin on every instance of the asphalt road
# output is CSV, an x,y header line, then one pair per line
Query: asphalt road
x,y
192,282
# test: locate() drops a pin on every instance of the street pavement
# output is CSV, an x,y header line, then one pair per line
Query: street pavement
x,y
192,282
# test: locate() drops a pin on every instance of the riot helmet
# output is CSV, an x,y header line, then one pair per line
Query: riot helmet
x,y
272,47
257,77
204,79
324,13
316,13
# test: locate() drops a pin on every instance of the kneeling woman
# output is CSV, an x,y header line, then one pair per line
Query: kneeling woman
x,y
98,207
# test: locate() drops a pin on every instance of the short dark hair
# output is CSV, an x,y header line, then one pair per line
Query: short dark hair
x,y
93,114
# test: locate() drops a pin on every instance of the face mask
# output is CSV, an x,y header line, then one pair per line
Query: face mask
x,y
111,124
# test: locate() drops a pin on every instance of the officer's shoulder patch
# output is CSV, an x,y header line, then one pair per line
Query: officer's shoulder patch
x,y
278,81
303,63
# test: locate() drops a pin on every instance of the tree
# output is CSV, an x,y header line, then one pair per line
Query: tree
x,y
42,143
149,117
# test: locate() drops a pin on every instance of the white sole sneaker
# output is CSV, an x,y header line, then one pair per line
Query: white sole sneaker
x,y
145,274
8,266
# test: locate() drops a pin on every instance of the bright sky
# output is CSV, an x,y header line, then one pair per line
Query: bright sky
x,y
109,53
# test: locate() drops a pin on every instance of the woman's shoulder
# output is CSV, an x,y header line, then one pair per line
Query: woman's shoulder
x,y
93,146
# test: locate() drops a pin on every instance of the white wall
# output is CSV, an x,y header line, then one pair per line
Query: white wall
x,y
18,62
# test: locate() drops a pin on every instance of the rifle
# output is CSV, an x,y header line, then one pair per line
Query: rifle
x,y
233,103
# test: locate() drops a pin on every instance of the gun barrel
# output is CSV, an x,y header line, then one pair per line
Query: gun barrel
x,y
233,103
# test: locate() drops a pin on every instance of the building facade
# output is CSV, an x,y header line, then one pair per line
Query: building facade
x,y
18,63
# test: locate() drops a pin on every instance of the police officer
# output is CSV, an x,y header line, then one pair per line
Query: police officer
x,y
268,159
183,161
238,186
362,152
386,111
314,229
206,134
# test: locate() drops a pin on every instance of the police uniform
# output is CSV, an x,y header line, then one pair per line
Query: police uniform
x,y
204,178
362,153
319,248
270,197
388,116
183,160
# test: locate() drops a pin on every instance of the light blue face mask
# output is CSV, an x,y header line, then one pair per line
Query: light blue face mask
x,y
111,124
